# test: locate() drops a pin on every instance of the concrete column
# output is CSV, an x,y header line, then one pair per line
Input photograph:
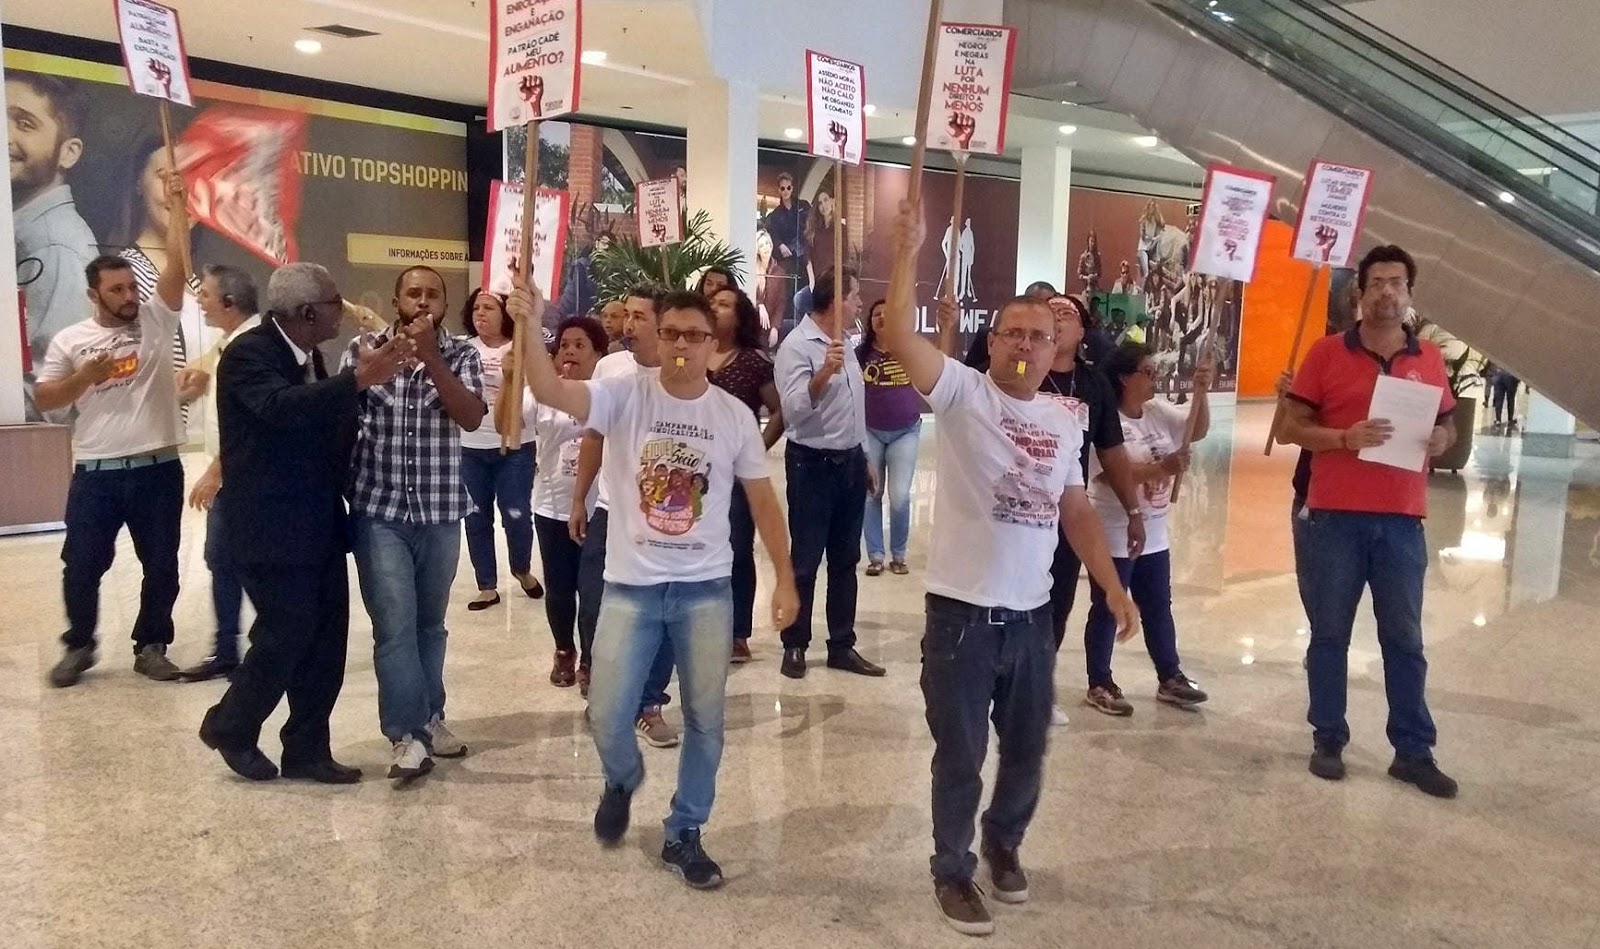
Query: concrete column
x,y
1549,430
11,405
722,161
1042,220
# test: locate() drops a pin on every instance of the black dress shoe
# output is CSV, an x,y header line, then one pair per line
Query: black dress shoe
x,y
794,663
210,668
323,772
851,661
245,762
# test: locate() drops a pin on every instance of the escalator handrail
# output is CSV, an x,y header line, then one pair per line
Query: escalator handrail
x,y
1454,83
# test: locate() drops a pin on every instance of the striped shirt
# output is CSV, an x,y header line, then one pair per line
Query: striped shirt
x,y
407,462
147,276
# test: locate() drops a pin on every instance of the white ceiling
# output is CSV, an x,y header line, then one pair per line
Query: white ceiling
x,y
655,53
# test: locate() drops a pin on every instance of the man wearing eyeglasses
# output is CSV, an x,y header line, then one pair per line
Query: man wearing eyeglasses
x,y
1010,482
406,499
828,478
675,445
284,428
786,223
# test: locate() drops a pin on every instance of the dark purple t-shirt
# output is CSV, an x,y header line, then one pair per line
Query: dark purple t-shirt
x,y
892,402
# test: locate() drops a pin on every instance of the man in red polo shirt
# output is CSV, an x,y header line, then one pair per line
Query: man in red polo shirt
x,y
1365,520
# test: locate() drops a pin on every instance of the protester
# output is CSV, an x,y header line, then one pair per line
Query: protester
x,y
406,497
741,367
1010,483
676,444
115,368
828,479
228,298
285,434
493,476
1364,526
1153,438
894,428
581,342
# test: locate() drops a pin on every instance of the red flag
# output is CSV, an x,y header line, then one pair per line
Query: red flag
x,y
239,164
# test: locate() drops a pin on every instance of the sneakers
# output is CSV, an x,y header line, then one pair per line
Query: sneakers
x,y
1425,774
898,568
1108,699
443,741
688,859
1326,762
741,652
411,759
875,568
72,666
564,672
1058,717
151,662
611,817
1005,871
655,730
963,907
1180,690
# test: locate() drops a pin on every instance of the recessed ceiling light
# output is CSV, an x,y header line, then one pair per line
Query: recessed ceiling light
x,y
1508,197
308,47
1146,141
870,109
792,133
1067,129
593,57
909,140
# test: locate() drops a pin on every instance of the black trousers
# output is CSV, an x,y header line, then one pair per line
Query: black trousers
x,y
827,503
149,500
297,648
560,556
1064,570
980,665
591,579
742,536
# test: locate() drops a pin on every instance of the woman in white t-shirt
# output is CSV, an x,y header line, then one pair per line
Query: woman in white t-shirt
x,y
580,342
493,476
1152,432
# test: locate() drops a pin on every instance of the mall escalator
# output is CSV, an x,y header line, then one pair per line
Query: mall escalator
x,y
1500,206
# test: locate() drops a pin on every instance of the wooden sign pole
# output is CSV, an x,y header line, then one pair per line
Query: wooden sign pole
x,y
179,205
902,275
1294,352
509,409
1208,341
839,288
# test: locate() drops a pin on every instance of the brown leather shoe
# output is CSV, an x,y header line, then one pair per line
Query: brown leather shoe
x,y
564,674
963,907
741,652
1005,871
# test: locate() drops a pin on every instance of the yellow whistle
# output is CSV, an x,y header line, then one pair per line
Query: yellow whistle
x,y
1022,367
678,362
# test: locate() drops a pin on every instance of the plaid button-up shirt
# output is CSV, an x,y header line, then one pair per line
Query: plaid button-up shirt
x,y
407,462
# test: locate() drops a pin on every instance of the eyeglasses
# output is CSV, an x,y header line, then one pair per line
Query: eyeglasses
x,y
1036,337
692,337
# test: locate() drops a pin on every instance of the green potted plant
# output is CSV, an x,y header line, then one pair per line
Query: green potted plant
x,y
624,264
1463,371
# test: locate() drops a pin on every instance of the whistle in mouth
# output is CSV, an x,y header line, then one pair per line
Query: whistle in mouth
x,y
1022,367
678,362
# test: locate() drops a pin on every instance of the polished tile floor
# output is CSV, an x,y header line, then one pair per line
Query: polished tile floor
x,y
1172,828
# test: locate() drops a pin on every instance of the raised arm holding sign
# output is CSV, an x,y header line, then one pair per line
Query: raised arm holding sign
x,y
152,51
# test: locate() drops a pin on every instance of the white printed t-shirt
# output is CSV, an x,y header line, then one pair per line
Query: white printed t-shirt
x,y
135,412
1149,438
1004,464
621,365
669,469
558,436
491,359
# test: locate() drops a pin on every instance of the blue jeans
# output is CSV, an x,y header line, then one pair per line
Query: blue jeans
x,y
506,479
697,619
1149,582
897,452
1387,553
227,595
405,572
592,588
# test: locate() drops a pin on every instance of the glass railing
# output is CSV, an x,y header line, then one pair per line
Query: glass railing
x,y
1341,60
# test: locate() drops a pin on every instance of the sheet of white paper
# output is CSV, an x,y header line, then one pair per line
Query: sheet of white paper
x,y
1412,408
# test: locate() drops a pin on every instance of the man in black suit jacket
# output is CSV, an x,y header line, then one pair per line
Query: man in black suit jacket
x,y
286,430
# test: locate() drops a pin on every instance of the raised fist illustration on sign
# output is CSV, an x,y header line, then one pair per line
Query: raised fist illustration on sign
x,y
660,231
1232,247
163,74
840,136
1326,236
532,91
961,126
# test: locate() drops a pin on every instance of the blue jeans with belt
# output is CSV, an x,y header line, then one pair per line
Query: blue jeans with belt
x,y
893,458
1348,552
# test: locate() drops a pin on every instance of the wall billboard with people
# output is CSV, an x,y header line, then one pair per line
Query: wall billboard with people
x,y
271,178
